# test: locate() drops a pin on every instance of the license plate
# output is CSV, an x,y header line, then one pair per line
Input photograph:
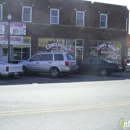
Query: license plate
x,y
15,73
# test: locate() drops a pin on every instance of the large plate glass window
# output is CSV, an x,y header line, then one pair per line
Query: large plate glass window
x,y
1,11
20,52
71,46
54,16
103,20
26,14
80,18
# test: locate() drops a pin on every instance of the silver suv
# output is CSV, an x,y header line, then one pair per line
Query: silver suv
x,y
54,63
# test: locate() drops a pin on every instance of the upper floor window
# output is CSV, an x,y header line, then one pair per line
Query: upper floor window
x,y
26,14
103,20
1,11
80,18
54,16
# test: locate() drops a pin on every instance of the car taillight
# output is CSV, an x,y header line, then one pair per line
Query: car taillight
x,y
66,63
7,69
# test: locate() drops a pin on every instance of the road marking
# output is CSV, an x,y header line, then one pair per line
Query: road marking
x,y
61,109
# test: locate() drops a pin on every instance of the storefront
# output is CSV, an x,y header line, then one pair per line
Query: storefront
x,y
20,48
74,46
110,50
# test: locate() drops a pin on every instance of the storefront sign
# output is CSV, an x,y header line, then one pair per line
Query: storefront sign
x,y
106,45
16,28
56,45
13,39
2,27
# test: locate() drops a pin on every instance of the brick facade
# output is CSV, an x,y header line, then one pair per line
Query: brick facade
x,y
41,27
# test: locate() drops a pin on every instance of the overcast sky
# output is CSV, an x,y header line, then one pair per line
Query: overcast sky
x,y
117,2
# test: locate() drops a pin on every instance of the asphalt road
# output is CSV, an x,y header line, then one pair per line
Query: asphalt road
x,y
76,102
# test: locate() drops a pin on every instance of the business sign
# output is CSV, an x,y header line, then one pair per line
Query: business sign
x,y
13,39
16,28
56,47
107,45
3,26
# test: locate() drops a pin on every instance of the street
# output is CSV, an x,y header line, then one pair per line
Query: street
x,y
77,102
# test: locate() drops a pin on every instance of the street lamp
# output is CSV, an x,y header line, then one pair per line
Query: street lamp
x,y
9,18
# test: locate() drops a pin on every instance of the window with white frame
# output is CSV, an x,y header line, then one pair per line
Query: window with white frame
x,y
103,20
54,16
26,14
80,18
1,11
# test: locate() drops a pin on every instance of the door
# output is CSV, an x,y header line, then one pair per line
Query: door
x,y
46,62
4,56
96,64
34,63
85,65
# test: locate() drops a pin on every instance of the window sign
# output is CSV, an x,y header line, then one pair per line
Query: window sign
x,y
13,39
3,26
17,28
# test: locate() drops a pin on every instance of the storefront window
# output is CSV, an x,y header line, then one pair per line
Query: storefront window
x,y
79,49
74,46
70,43
42,42
20,52
110,50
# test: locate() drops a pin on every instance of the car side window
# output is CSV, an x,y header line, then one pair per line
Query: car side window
x,y
96,61
70,57
58,57
36,58
46,57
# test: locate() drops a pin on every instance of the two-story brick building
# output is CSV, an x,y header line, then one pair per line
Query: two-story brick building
x,y
85,28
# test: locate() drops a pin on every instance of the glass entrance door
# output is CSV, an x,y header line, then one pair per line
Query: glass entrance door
x,y
4,57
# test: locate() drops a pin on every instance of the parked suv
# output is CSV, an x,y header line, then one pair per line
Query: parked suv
x,y
54,63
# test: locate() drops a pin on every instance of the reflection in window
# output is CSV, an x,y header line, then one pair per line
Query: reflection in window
x,y
26,14
54,16
21,52
36,58
46,57
58,57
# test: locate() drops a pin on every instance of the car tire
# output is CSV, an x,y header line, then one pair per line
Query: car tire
x,y
25,71
54,72
103,72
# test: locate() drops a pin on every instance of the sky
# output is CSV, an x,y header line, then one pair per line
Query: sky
x,y
116,2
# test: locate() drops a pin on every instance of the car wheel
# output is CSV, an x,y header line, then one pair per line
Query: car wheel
x,y
103,72
54,72
25,71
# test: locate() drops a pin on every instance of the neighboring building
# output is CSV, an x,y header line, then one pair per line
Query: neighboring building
x,y
85,28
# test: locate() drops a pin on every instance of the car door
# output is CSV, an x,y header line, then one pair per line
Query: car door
x,y
45,62
84,65
33,63
96,64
